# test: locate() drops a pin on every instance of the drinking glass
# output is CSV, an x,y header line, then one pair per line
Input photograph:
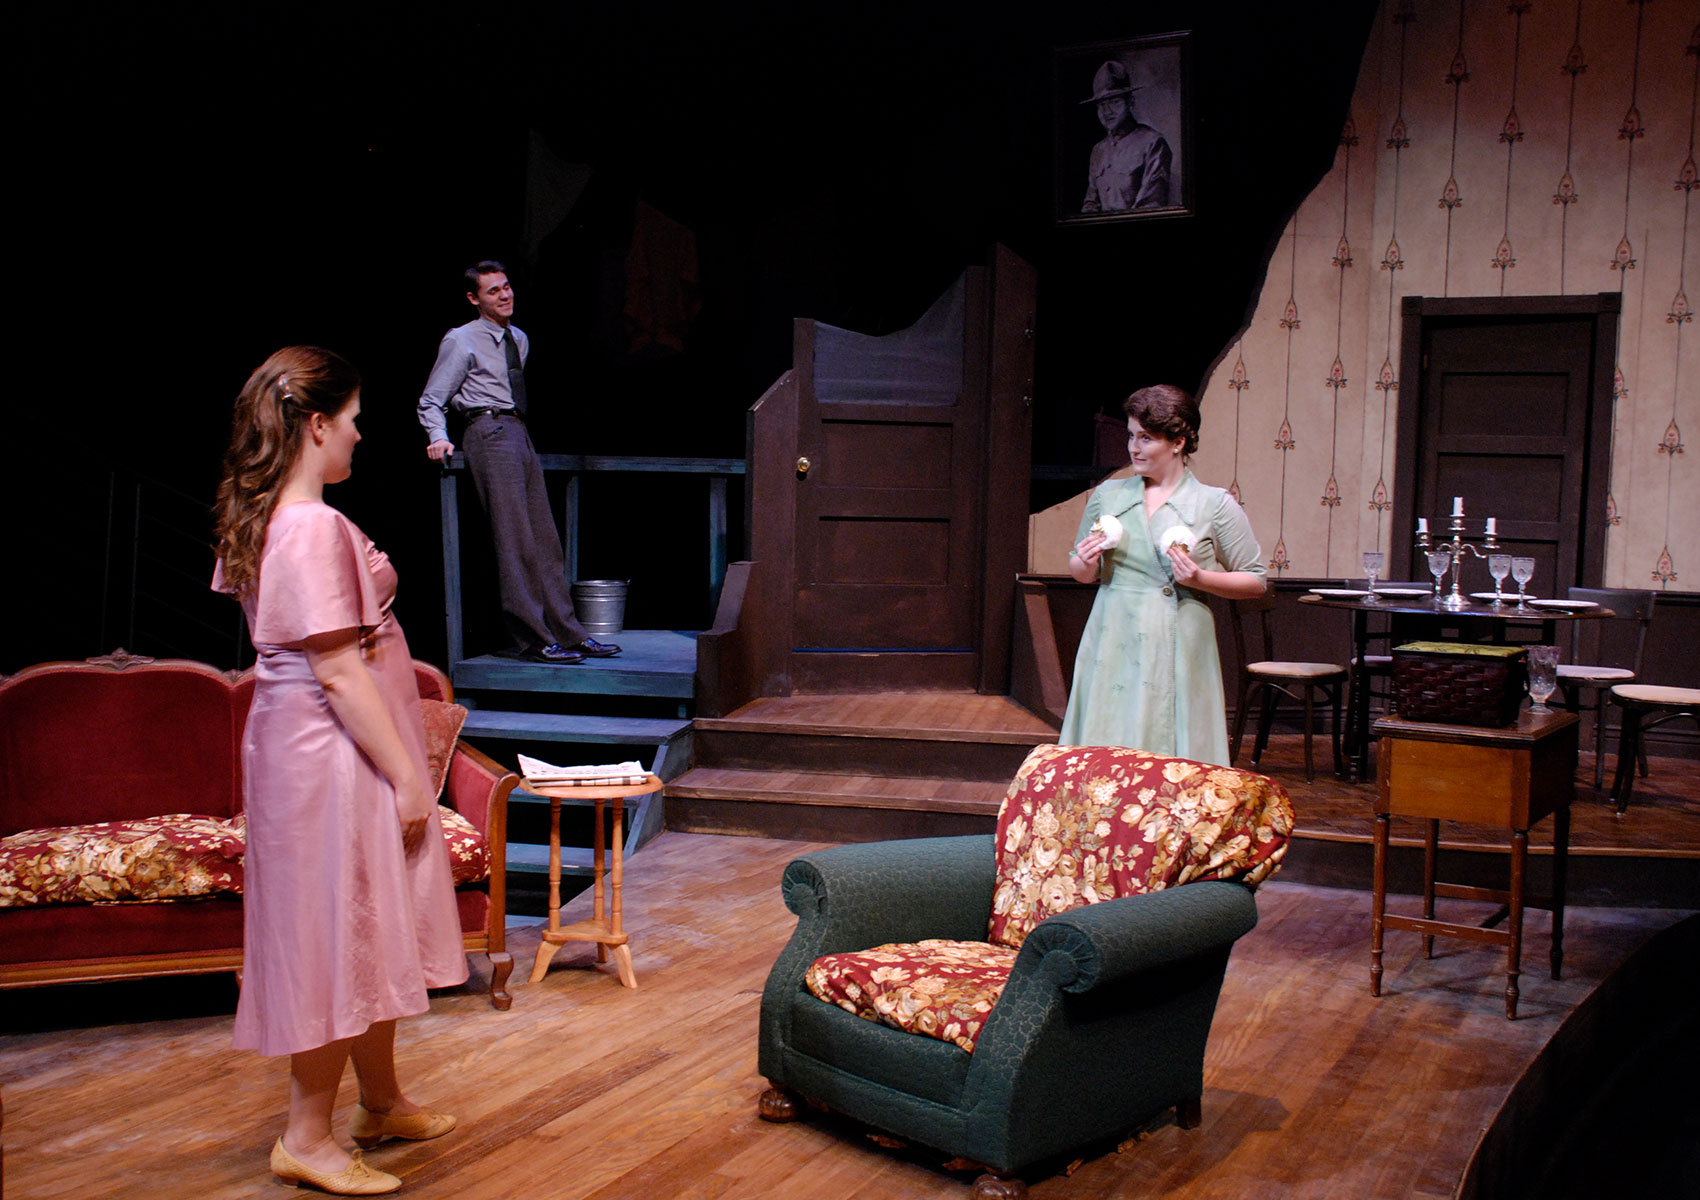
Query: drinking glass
x,y
1522,570
1543,676
1438,562
1499,566
1374,560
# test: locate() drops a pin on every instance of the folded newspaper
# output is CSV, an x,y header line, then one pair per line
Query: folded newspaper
x,y
601,774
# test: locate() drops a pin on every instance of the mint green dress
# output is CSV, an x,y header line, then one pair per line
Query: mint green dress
x,y
1148,675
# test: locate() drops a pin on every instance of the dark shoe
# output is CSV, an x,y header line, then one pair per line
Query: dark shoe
x,y
591,648
554,653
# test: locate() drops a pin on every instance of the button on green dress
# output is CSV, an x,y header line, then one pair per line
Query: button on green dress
x,y
1148,674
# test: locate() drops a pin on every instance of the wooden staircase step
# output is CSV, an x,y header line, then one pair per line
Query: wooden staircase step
x,y
829,806
975,762
917,716
565,727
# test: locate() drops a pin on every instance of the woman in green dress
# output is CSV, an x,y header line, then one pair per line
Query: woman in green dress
x,y
1148,675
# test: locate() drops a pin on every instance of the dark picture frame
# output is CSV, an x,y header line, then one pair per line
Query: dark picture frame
x,y
1100,176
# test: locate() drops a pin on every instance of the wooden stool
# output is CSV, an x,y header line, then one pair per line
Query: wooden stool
x,y
604,926
1507,777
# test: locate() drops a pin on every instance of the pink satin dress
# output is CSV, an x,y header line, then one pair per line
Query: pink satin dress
x,y
341,928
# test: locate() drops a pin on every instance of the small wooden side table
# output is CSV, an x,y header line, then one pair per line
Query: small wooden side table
x,y
1507,777
604,926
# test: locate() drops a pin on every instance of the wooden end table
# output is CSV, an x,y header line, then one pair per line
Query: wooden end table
x,y
604,926
1509,778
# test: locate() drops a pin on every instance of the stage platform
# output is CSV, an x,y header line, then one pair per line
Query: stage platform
x,y
652,662
1312,1087
895,764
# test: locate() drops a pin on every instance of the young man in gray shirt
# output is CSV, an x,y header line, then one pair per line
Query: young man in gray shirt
x,y
480,373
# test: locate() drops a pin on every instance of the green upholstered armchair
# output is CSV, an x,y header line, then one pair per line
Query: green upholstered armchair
x,y
1113,968
1101,1025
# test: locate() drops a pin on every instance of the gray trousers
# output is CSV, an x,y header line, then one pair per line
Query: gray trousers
x,y
536,602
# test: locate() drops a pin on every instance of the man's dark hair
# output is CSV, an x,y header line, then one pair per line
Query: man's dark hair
x,y
488,267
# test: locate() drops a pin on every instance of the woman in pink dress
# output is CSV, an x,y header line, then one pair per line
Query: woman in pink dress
x,y
349,912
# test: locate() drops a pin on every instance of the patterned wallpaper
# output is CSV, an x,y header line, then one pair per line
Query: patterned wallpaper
x,y
1493,149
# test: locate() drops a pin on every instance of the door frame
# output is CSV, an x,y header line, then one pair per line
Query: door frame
x,y
1605,309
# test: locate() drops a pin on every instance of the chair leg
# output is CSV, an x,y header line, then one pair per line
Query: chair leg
x,y
1599,743
1339,759
778,1105
1310,726
994,1185
1265,719
1239,722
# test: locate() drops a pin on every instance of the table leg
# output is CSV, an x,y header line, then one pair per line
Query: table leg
x,y
1514,952
600,904
1431,849
546,950
1628,741
1560,877
1360,697
1378,902
622,952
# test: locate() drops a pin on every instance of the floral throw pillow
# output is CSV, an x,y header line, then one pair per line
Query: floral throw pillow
x,y
939,988
155,858
1084,824
442,727
469,850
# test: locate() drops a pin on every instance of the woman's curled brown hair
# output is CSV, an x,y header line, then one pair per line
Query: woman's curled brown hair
x,y
1166,411
272,409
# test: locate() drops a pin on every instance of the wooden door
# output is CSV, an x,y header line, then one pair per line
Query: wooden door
x,y
1513,413
891,510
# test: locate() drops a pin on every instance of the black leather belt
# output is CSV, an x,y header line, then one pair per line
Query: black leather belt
x,y
489,412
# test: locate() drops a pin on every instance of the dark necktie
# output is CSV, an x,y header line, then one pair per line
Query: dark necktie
x,y
516,373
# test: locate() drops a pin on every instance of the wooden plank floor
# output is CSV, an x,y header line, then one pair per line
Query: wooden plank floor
x,y
586,1089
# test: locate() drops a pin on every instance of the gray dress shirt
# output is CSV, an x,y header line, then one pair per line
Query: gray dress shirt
x,y
471,373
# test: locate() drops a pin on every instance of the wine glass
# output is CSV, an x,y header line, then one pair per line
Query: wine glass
x,y
1438,563
1543,676
1374,560
1499,566
1522,570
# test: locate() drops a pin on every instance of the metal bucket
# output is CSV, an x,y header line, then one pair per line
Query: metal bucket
x,y
600,605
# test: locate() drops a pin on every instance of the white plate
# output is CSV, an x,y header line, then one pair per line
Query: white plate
x,y
1508,597
1404,591
1564,604
1338,592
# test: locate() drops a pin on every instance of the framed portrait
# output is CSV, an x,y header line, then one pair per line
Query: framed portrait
x,y
1123,130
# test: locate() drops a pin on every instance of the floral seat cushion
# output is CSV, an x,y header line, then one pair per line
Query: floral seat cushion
x,y
165,858
1079,825
469,849
155,858
940,988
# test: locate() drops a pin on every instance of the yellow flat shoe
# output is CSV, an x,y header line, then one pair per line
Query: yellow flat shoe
x,y
368,1128
356,1180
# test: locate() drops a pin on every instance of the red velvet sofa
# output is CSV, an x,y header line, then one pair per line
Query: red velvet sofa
x,y
122,738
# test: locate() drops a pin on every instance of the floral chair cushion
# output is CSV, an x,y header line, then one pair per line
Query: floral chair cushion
x,y
155,858
1084,824
940,988
469,850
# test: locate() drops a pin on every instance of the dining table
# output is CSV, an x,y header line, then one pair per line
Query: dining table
x,y
1414,613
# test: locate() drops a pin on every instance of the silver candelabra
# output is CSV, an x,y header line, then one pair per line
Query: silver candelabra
x,y
1457,548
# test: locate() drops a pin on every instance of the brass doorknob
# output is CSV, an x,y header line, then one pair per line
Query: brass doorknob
x,y
803,466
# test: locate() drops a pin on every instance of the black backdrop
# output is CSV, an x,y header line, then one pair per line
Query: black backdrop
x,y
204,183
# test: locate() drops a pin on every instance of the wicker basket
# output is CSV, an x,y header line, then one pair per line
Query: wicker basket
x,y
1459,683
